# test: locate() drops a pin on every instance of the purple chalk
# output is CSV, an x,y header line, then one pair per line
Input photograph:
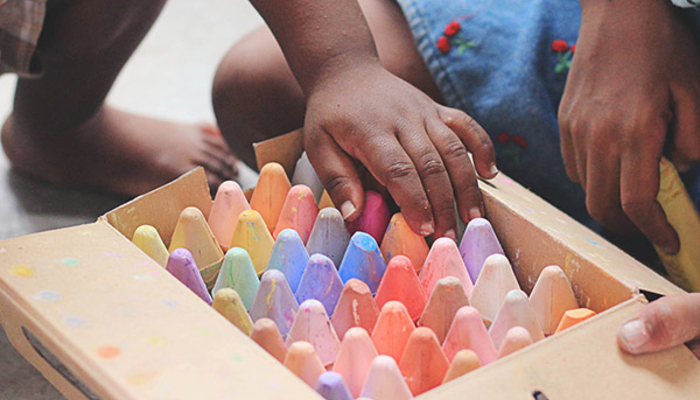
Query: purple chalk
x,y
320,282
331,386
182,266
479,242
275,300
329,235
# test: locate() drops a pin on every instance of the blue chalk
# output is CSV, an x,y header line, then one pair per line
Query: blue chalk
x,y
321,282
289,256
363,260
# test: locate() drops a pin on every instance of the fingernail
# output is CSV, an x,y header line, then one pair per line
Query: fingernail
x,y
427,229
474,212
634,335
493,169
347,209
452,234
668,248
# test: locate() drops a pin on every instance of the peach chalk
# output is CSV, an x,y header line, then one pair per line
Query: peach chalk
x,y
423,364
374,218
147,239
551,297
267,336
465,361
516,338
312,325
401,283
354,358
399,239
303,361
229,203
252,235
478,243
270,193
444,260
192,233
229,304
468,332
356,307
447,298
298,212
515,311
495,281
384,381
392,330
275,300
573,317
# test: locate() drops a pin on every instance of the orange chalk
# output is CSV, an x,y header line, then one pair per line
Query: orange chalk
x,y
551,297
354,359
392,330
229,203
447,297
573,317
468,332
399,239
298,212
356,307
267,336
401,283
325,201
270,193
516,338
495,281
444,260
423,364
515,311
465,361
303,361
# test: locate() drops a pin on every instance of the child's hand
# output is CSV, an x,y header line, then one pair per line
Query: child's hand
x,y
412,145
665,323
635,79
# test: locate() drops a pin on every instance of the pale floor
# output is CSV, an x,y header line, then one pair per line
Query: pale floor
x,y
169,77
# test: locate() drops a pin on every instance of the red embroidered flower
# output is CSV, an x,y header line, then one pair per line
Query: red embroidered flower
x,y
452,28
443,44
520,141
560,46
503,138
573,48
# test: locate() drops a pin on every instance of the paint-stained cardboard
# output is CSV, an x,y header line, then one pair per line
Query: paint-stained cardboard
x,y
101,320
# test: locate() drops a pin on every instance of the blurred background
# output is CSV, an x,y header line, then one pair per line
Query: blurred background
x,y
169,77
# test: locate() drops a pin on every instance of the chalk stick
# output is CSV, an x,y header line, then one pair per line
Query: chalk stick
x,y
251,234
193,233
573,317
478,243
298,212
320,281
312,325
394,326
237,272
401,283
494,282
468,332
267,335
354,358
304,174
270,193
275,300
399,239
229,203
465,361
384,381
551,297
363,260
516,338
182,266
374,218
444,260
444,302
356,307
331,386
423,364
303,361
329,235
229,304
515,311
147,239
289,256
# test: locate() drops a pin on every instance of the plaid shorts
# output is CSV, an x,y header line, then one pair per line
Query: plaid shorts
x,y
21,22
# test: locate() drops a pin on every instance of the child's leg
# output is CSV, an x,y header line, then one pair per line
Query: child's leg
x,y
60,129
256,96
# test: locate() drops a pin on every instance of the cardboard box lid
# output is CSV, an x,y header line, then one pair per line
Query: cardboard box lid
x,y
123,326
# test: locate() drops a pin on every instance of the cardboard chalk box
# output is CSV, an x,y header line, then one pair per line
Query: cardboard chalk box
x,y
101,320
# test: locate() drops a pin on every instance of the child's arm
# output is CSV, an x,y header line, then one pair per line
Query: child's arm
x,y
356,109
665,323
634,84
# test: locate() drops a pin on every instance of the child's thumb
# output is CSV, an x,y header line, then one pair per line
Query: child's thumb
x,y
665,323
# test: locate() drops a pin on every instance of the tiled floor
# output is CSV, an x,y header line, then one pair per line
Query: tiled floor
x,y
169,77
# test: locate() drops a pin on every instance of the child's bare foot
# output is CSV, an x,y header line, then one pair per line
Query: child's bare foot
x,y
117,152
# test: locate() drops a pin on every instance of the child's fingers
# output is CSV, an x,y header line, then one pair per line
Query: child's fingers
x,y
433,174
460,169
665,323
603,193
337,173
568,151
474,137
389,163
639,186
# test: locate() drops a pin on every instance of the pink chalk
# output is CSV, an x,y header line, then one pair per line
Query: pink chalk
x,y
374,218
